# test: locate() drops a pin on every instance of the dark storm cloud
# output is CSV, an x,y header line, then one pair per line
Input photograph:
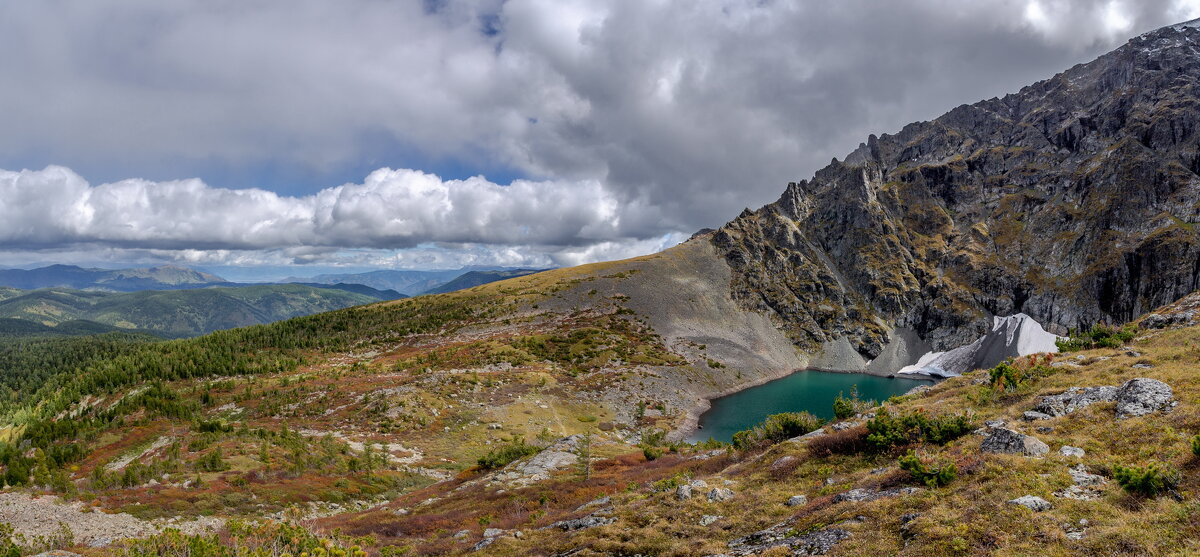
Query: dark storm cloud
x,y
634,119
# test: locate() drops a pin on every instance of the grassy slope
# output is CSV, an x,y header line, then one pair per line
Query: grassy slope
x,y
968,517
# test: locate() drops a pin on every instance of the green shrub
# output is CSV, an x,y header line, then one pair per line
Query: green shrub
x,y
781,427
1196,445
499,457
932,476
842,407
1149,481
776,428
652,453
1098,336
212,461
886,431
1009,376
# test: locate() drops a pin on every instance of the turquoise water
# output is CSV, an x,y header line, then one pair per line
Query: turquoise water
x,y
813,391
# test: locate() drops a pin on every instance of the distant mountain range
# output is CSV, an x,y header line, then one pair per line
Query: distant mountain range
x,y
166,277
173,301
383,284
477,278
415,283
174,313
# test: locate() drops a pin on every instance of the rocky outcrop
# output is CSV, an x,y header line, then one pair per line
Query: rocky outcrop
x,y
1185,312
864,495
1072,201
539,467
1007,441
1085,485
819,542
1136,397
590,521
1141,396
1073,399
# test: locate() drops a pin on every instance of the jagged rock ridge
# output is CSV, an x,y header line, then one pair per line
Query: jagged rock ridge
x,y
1073,201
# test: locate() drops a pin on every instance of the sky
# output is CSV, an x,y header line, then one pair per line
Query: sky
x,y
416,134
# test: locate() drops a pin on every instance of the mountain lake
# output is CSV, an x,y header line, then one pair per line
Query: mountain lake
x,y
808,390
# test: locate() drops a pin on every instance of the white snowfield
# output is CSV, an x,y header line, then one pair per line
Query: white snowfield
x,y
1012,336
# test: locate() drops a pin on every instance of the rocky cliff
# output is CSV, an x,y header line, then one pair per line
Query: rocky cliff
x,y
1073,201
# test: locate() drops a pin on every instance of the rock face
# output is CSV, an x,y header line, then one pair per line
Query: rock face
x,y
1142,396
1071,201
1012,336
1183,313
1007,441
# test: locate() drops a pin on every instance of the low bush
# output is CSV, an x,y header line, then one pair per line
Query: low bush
x,y
1010,376
930,475
1098,336
776,428
847,407
886,431
846,442
500,457
1196,445
1148,481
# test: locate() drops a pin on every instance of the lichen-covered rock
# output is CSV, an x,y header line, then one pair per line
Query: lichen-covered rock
x,y
719,494
797,501
1086,486
1007,441
860,495
683,492
819,542
1068,450
1142,396
1074,399
1033,503
582,523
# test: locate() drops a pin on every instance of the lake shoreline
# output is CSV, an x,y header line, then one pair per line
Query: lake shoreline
x,y
876,386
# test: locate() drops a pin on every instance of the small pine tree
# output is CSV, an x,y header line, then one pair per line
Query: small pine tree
x,y
583,451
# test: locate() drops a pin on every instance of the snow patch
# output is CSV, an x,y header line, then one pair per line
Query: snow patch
x,y
1012,336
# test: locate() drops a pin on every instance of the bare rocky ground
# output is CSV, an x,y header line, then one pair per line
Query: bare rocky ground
x,y
47,516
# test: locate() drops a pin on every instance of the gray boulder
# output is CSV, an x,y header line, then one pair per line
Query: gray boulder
x,y
1141,396
719,494
1007,441
683,492
819,542
1068,450
1074,399
861,495
1033,503
590,521
797,501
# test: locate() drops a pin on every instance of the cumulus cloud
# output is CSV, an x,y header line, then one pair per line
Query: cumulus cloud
x,y
635,118
390,210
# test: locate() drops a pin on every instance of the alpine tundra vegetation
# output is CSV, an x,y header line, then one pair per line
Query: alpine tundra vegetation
x,y
1036,253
